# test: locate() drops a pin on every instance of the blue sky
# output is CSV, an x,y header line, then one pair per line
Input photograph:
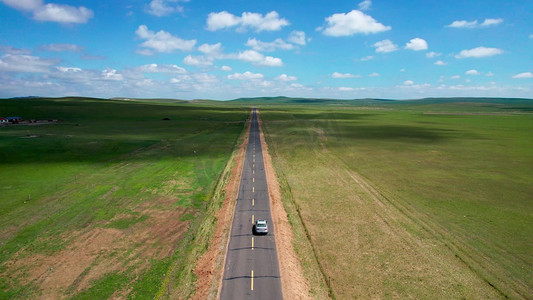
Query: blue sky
x,y
228,49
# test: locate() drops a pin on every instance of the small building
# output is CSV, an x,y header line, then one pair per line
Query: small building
x,y
14,120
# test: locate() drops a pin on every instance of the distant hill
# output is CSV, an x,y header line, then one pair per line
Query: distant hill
x,y
317,101
372,101
521,104
164,100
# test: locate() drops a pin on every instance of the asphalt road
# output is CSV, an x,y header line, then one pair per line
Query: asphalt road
x,y
252,268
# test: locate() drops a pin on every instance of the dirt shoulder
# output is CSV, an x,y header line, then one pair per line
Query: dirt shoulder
x,y
293,283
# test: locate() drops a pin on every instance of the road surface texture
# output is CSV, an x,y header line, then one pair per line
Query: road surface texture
x,y
252,268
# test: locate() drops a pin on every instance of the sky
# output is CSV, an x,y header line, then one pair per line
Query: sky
x,y
192,49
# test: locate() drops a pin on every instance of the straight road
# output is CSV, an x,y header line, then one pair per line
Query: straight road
x,y
252,267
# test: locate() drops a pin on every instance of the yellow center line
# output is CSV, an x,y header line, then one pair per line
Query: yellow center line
x,y
253,216
253,201
252,243
253,189
253,179
253,171
252,282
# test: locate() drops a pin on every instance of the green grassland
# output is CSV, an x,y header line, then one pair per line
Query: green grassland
x,y
110,173
428,199
418,199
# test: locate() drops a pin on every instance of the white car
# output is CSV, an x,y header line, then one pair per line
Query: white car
x,y
260,227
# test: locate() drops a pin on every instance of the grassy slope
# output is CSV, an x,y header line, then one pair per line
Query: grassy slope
x,y
451,185
101,167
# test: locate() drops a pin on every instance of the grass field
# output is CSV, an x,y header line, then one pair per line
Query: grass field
x,y
423,199
109,201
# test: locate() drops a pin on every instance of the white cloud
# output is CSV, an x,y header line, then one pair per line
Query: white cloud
x,y
25,63
375,74
162,41
531,36
385,46
68,69
354,22
216,21
440,63
198,61
462,24
346,89
408,82
62,47
257,58
205,78
417,44
297,85
270,22
479,52
344,75
285,77
491,22
52,12
28,5
63,13
271,62
250,56
214,50
226,68
111,74
475,24
12,50
455,77
268,46
472,72
158,68
367,58
524,75
161,8
489,74
246,76
365,5
297,37
432,54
